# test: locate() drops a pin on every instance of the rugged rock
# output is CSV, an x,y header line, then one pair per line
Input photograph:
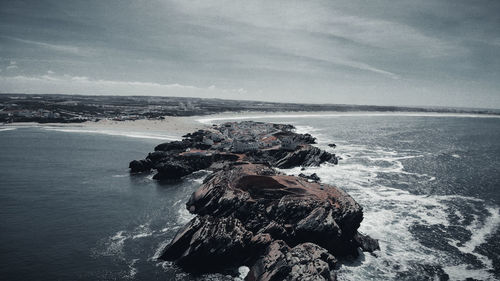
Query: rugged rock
x,y
306,156
283,227
306,261
204,148
169,170
307,138
254,203
313,177
174,145
209,244
179,166
139,166
366,243
332,145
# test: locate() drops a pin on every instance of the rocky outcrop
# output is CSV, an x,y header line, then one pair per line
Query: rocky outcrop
x,y
209,149
139,166
248,213
306,261
313,177
244,209
174,145
209,244
306,156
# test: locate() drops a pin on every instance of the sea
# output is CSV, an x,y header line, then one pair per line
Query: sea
x,y
429,185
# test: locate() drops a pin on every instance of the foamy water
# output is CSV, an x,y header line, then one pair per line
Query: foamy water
x,y
7,129
390,214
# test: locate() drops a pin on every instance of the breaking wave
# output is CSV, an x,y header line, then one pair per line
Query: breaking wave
x,y
407,225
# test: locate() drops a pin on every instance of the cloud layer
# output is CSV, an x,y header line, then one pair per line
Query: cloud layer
x,y
382,52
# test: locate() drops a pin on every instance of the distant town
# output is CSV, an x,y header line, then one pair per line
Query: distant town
x,y
46,108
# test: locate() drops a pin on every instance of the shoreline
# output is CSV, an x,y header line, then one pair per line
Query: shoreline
x,y
174,127
319,114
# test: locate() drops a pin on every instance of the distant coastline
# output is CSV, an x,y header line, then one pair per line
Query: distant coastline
x,y
74,109
174,127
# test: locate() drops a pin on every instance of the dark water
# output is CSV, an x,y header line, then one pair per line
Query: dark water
x,y
430,188
70,211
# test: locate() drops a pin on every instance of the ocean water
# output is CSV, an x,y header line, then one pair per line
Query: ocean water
x,y
429,185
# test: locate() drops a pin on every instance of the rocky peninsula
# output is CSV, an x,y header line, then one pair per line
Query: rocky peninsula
x,y
282,227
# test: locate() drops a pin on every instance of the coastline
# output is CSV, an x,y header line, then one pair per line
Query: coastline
x,y
174,127
171,128
318,114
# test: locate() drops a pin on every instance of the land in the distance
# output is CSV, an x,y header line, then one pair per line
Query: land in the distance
x,y
45,108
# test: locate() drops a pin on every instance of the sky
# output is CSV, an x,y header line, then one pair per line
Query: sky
x,y
417,53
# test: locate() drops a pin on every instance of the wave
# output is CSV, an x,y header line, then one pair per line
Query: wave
x,y
208,120
7,129
392,214
141,135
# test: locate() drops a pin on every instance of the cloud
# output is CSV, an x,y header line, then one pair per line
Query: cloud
x,y
74,50
309,51
67,84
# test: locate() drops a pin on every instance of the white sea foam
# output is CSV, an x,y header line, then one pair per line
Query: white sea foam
x,y
123,133
243,272
7,129
390,213
184,216
114,247
132,269
208,120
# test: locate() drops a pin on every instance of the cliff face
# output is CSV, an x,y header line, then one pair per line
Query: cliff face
x,y
250,214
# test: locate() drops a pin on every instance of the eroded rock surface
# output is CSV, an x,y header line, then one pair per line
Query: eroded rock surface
x,y
305,261
244,209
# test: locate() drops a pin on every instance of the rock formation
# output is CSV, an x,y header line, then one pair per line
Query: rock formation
x,y
251,214
282,227
210,149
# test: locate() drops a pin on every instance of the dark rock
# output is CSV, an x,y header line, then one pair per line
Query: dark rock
x,y
307,156
313,177
307,138
173,145
139,166
286,207
168,157
208,244
284,227
172,170
303,262
332,145
366,243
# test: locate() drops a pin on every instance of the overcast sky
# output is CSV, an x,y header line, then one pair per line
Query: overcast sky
x,y
357,52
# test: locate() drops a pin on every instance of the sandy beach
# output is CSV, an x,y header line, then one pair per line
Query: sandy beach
x,y
173,127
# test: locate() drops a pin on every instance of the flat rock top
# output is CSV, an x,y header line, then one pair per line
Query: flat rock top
x,y
264,183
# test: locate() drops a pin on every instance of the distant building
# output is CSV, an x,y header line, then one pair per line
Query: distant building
x,y
244,146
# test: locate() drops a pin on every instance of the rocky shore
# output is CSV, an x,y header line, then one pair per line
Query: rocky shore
x,y
282,227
